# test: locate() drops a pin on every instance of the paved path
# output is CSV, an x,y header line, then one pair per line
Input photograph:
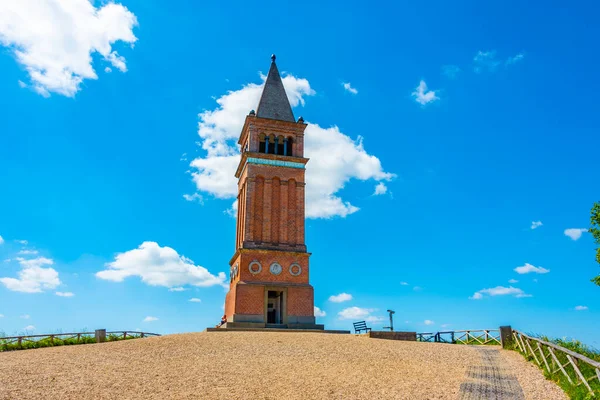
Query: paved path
x,y
491,379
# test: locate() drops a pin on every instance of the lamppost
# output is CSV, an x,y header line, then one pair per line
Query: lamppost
x,y
391,327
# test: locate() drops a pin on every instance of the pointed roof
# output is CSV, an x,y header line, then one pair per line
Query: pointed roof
x,y
273,102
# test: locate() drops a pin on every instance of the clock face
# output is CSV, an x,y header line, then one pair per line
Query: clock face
x,y
275,268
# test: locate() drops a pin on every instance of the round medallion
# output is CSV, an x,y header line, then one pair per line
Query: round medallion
x,y
295,269
275,268
255,267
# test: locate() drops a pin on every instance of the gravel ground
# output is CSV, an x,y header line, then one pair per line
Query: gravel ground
x,y
531,379
254,365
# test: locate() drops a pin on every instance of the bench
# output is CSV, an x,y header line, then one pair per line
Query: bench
x,y
361,326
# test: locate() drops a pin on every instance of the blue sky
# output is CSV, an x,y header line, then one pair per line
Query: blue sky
x,y
438,134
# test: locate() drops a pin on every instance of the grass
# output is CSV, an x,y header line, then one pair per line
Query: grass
x,y
57,341
574,391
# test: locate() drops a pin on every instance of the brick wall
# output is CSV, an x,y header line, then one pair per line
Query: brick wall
x,y
300,301
266,258
250,299
409,336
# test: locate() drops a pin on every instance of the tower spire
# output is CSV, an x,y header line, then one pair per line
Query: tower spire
x,y
273,102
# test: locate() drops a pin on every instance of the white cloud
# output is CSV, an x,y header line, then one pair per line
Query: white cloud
x,y
515,59
1,240
25,316
1,315
355,313
159,266
195,300
335,158
33,278
499,291
194,197
444,325
65,294
55,39
451,71
528,268
417,288
404,283
29,328
424,96
23,242
150,319
349,88
108,70
380,189
575,233
581,308
22,84
27,252
485,60
340,298
177,289
428,322
375,319
319,312
536,224
513,281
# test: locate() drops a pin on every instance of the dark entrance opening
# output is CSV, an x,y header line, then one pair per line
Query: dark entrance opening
x,y
274,307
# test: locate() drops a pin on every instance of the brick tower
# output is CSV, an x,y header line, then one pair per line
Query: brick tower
x,y
269,271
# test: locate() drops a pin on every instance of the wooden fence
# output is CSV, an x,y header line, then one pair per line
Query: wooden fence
x,y
471,336
78,336
543,351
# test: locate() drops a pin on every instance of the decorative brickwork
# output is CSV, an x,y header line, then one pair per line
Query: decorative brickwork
x,y
270,219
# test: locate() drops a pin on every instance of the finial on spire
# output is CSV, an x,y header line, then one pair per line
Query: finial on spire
x,y
273,57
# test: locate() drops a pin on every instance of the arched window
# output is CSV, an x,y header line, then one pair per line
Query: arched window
x,y
288,146
271,147
261,144
280,145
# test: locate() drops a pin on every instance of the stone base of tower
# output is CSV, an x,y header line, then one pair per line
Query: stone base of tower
x,y
257,326
272,305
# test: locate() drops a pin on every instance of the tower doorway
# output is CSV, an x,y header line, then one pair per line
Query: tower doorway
x,y
275,307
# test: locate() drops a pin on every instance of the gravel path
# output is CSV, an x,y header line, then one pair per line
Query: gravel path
x,y
491,379
254,365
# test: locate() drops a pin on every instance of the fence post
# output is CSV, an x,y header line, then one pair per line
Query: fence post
x,y
506,336
100,335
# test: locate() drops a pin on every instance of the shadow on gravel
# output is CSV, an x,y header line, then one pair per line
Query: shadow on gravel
x,y
491,379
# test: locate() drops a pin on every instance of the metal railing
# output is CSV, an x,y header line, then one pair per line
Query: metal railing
x,y
79,337
543,351
470,336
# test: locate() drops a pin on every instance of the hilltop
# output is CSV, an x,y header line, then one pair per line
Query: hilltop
x,y
261,365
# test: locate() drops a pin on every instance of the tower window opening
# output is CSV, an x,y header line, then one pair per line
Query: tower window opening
x,y
281,145
288,150
272,146
261,144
